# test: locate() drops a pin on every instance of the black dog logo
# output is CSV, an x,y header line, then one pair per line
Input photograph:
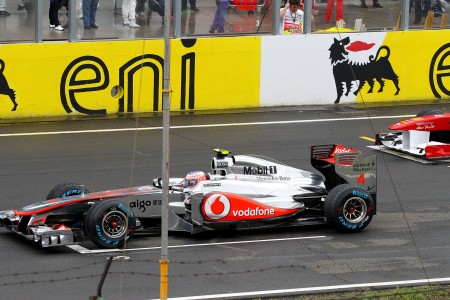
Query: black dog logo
x,y
4,87
347,72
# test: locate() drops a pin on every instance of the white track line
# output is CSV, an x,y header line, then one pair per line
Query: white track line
x,y
83,250
201,126
317,289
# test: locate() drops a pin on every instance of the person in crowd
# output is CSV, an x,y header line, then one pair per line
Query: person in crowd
x,y
192,4
28,5
423,7
220,16
417,10
314,12
53,15
129,13
329,10
140,8
79,7
157,6
89,13
291,17
375,3
3,12
21,5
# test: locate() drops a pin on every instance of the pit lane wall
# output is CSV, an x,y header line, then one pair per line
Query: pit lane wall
x,y
114,77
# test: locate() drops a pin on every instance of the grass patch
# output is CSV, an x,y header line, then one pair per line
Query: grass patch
x,y
428,292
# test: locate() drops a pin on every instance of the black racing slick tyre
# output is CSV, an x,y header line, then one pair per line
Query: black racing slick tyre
x,y
66,189
349,208
429,112
109,223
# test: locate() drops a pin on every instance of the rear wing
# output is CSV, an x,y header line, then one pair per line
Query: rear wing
x,y
340,164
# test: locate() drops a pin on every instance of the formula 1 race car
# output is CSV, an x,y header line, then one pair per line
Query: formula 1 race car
x,y
241,192
425,138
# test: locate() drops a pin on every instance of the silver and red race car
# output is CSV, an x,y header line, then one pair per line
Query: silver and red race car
x,y
424,138
241,192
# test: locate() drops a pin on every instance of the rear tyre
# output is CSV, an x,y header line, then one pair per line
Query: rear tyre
x,y
66,189
349,208
429,112
109,223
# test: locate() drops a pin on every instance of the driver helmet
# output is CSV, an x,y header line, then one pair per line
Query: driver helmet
x,y
194,177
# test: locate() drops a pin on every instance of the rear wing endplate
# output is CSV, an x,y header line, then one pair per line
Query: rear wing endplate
x,y
340,164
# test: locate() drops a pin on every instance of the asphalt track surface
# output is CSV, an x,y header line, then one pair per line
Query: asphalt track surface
x,y
406,243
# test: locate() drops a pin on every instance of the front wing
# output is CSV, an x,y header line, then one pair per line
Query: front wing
x,y
44,236
413,145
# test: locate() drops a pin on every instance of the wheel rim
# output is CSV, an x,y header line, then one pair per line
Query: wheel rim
x,y
355,210
114,224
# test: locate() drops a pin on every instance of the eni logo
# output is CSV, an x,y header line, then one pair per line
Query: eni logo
x,y
4,87
217,206
74,81
439,71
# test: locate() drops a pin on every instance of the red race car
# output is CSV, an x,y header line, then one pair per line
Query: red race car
x,y
424,138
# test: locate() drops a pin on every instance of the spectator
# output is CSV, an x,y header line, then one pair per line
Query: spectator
x,y
423,7
329,10
28,5
3,12
417,10
157,6
53,15
291,17
188,23
375,4
140,8
79,7
89,13
192,4
129,13
220,16
21,5
315,11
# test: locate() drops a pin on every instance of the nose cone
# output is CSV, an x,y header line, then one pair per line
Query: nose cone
x,y
425,123
410,124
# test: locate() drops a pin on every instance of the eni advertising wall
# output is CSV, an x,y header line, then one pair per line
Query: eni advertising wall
x,y
76,79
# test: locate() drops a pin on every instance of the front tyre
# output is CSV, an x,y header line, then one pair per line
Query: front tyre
x,y
349,208
109,223
429,112
66,190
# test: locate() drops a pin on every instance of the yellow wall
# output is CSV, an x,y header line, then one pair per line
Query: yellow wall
x,y
61,79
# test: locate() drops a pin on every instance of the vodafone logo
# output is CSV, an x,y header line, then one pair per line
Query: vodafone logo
x,y
226,207
217,206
